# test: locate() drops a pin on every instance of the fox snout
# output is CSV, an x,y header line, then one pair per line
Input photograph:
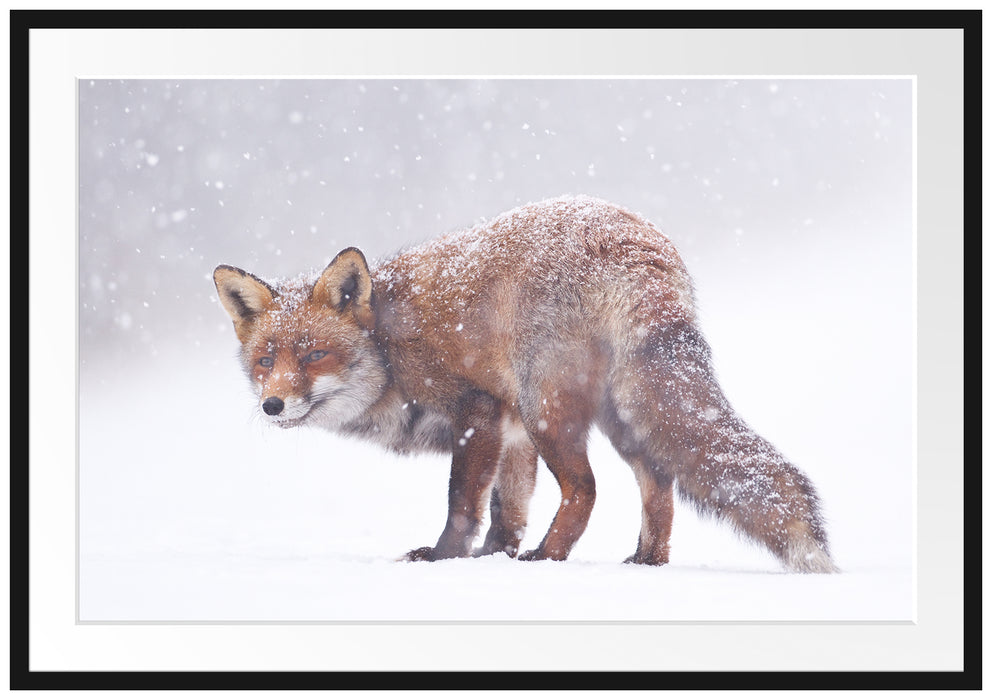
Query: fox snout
x,y
273,406
285,411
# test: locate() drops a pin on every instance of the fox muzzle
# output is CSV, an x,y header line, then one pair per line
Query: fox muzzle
x,y
273,406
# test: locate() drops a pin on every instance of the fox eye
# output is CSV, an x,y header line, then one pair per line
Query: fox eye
x,y
316,355
266,362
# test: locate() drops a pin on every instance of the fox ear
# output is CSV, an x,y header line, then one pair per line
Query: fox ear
x,y
243,296
347,284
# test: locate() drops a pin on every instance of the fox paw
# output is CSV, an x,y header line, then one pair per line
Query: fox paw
x,y
489,549
511,553
419,554
536,555
644,559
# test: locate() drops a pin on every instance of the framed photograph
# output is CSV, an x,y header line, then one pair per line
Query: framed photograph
x,y
817,199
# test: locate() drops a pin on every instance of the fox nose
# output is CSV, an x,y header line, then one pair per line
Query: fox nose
x,y
273,406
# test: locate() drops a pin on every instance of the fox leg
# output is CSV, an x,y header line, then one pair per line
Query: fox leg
x,y
657,511
512,491
475,458
560,436
656,484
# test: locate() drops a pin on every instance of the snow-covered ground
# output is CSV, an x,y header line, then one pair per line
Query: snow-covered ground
x,y
191,509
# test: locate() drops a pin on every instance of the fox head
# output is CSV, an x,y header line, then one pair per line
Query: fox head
x,y
308,348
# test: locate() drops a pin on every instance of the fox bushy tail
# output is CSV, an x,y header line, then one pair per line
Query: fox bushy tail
x,y
670,415
741,479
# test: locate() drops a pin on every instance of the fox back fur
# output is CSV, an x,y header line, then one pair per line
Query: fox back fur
x,y
511,340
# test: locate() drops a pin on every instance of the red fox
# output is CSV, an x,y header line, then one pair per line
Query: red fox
x,y
511,340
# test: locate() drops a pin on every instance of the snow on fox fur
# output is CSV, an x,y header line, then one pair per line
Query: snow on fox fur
x,y
509,341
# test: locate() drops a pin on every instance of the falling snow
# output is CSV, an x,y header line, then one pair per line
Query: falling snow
x,y
769,189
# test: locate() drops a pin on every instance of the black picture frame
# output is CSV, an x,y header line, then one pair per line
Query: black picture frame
x,y
23,677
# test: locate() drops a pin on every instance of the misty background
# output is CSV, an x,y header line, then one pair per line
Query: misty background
x,y
277,176
790,200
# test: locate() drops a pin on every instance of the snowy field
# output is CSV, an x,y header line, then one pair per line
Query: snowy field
x,y
790,201
191,509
